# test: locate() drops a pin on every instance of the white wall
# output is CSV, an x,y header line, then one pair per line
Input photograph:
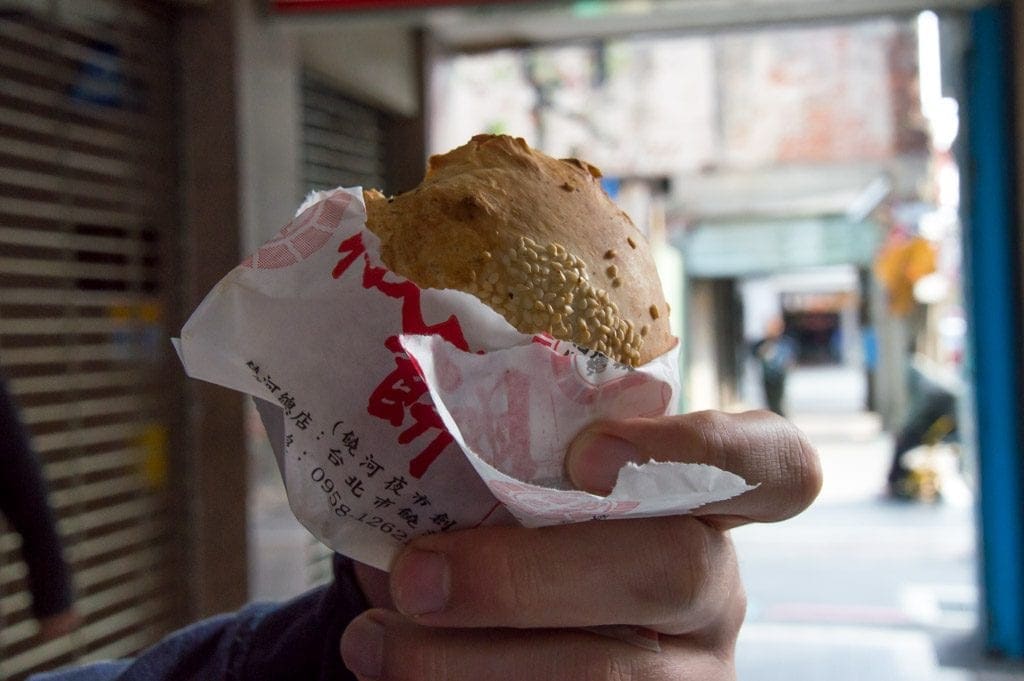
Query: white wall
x,y
373,63
269,111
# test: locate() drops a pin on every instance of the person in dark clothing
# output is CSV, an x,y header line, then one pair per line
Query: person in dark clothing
x,y
512,603
262,641
775,353
24,502
932,418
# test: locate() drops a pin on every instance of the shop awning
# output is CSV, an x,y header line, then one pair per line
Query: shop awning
x,y
735,248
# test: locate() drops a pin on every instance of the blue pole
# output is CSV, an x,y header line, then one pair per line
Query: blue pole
x,y
993,292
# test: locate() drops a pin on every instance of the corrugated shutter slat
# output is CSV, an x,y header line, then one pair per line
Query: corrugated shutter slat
x,y
87,194
342,138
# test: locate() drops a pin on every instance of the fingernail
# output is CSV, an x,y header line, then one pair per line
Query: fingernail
x,y
594,460
362,647
420,582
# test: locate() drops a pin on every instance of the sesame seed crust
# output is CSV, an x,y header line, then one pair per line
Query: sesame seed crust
x,y
494,218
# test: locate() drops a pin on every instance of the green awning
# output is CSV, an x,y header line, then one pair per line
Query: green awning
x,y
748,247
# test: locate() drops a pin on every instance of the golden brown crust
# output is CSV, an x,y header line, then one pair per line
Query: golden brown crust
x,y
536,239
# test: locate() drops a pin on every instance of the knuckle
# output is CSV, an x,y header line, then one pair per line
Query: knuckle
x,y
614,667
739,612
707,421
432,661
711,428
682,569
514,583
724,635
606,668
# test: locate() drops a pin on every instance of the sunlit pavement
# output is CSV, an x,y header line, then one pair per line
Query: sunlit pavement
x,y
860,587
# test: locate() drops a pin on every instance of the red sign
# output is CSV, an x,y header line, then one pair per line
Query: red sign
x,y
302,6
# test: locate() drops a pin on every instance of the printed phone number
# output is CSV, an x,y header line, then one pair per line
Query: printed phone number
x,y
319,476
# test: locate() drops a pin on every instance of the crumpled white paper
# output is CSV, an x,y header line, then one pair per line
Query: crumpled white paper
x,y
396,411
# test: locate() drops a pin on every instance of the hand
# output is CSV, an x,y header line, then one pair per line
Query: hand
x,y
58,625
508,602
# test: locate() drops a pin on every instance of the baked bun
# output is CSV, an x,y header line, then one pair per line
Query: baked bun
x,y
533,237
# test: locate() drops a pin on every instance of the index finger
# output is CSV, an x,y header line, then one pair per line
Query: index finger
x,y
763,448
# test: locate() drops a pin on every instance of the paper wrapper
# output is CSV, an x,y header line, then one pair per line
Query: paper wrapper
x,y
397,411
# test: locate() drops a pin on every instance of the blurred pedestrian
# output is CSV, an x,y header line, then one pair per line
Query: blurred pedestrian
x,y
776,354
24,502
931,419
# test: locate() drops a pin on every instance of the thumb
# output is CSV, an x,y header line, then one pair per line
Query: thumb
x,y
596,456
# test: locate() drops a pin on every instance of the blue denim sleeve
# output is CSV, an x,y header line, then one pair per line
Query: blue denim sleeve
x,y
262,642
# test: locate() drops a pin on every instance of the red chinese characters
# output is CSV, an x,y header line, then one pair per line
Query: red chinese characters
x,y
399,397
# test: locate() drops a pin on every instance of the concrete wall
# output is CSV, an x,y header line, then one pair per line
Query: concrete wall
x,y
268,69
214,470
373,63
746,100
808,95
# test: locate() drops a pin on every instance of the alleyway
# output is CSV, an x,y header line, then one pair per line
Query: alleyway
x,y
859,587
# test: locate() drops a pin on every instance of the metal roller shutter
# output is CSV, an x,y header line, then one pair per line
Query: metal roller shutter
x,y
342,139
87,200
342,146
